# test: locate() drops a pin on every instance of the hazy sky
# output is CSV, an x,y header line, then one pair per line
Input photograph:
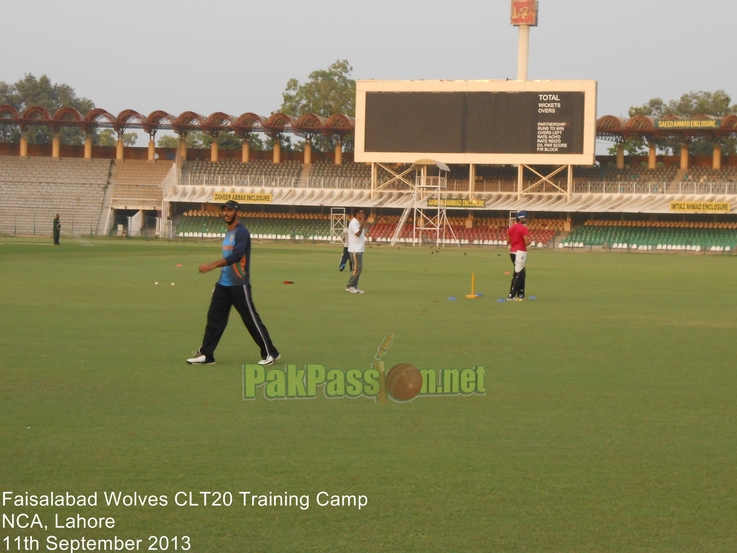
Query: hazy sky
x,y
237,55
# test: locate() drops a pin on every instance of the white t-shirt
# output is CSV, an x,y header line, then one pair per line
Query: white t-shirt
x,y
355,243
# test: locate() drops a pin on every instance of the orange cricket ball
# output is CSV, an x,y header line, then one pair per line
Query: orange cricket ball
x,y
404,381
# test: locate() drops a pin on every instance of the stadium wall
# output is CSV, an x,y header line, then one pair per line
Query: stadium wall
x,y
203,154
135,152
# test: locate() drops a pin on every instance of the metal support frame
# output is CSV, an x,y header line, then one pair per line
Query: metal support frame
x,y
395,177
337,224
522,190
426,218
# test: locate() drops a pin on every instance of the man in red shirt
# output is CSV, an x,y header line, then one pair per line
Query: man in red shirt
x,y
518,238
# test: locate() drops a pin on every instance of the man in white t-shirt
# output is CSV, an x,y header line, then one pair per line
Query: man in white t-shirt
x,y
356,240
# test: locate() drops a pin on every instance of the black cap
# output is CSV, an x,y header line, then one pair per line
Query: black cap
x,y
232,204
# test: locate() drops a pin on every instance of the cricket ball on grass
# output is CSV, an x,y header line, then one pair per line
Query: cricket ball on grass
x,y
404,381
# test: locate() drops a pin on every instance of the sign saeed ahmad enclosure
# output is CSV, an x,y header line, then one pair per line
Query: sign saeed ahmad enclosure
x,y
495,122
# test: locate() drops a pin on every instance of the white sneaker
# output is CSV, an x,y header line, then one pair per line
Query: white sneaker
x,y
269,360
348,289
358,291
353,290
200,360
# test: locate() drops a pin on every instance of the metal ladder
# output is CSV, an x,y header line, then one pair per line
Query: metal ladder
x,y
400,224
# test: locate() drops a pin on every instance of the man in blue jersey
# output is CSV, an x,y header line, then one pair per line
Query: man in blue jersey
x,y
233,289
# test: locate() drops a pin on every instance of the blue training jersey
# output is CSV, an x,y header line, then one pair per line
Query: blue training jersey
x,y
237,254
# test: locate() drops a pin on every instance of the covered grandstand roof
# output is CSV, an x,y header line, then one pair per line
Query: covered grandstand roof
x,y
277,123
667,127
607,127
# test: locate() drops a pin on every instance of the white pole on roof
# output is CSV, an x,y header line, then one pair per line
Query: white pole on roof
x,y
524,16
523,52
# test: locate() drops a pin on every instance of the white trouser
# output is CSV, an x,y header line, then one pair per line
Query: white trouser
x,y
520,258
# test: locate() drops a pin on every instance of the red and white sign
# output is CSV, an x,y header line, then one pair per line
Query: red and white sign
x,y
524,12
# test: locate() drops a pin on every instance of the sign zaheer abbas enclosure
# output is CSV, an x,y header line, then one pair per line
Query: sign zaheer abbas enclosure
x,y
480,122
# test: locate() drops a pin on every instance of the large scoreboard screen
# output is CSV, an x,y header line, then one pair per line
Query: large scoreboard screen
x,y
494,122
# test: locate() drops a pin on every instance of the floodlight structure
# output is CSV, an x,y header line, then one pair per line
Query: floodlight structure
x,y
427,205
338,224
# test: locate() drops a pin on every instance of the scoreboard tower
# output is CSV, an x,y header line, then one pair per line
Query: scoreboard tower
x,y
523,123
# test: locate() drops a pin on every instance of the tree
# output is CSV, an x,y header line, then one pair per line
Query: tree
x,y
167,141
199,139
30,91
688,105
108,137
326,93
194,139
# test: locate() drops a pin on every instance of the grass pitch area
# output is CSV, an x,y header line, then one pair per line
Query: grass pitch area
x,y
608,423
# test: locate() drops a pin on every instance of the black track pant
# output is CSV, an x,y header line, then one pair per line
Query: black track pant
x,y
223,297
346,258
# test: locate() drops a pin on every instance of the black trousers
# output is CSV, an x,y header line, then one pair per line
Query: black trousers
x,y
346,258
223,298
517,288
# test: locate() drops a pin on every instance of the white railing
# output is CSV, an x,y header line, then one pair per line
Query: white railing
x,y
498,186
679,188
267,181
489,186
135,203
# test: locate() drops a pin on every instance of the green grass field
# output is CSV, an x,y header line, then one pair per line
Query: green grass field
x,y
609,422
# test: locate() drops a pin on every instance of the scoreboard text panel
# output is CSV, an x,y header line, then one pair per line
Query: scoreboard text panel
x,y
549,125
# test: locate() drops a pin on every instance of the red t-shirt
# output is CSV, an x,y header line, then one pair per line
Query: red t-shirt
x,y
517,233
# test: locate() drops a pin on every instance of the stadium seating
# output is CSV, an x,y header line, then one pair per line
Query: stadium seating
x,y
325,174
33,190
235,173
312,226
139,182
262,225
655,235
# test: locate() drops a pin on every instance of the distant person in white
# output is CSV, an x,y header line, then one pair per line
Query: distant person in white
x,y
356,241
346,257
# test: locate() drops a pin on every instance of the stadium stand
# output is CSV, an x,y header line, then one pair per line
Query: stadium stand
x,y
490,178
138,183
654,235
660,174
325,174
33,190
235,173
262,225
